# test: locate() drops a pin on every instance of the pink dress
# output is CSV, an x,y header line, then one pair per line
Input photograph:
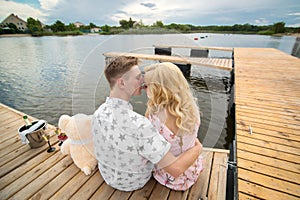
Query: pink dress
x,y
178,145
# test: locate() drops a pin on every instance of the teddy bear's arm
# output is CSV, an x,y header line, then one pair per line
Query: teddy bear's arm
x,y
65,147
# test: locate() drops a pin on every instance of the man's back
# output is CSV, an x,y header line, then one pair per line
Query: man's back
x,y
126,145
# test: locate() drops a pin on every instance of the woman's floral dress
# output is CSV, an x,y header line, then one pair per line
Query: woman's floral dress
x,y
179,144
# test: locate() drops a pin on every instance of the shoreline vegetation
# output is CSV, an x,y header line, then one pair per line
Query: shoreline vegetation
x,y
137,32
36,28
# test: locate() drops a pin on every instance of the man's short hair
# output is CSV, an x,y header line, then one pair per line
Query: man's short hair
x,y
118,66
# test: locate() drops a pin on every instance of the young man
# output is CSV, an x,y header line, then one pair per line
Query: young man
x,y
126,143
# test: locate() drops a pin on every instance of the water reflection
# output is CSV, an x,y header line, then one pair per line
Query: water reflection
x,y
211,88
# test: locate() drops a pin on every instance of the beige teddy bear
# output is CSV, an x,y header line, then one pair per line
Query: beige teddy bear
x,y
80,143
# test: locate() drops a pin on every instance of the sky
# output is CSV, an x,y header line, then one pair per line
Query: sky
x,y
195,12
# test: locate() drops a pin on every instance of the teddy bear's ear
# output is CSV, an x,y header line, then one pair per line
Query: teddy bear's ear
x,y
63,121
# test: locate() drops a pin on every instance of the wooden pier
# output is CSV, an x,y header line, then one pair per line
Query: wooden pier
x,y
267,105
35,174
267,99
219,63
194,47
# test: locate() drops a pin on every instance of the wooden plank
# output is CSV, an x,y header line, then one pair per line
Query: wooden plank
x,y
10,142
287,111
291,94
25,167
256,134
28,155
269,170
104,192
7,157
219,168
256,129
291,158
145,192
200,188
159,192
9,125
261,192
266,110
264,125
10,132
32,187
289,118
17,112
178,195
270,182
89,188
176,59
259,92
243,196
206,150
117,195
56,183
269,103
69,189
272,161
287,150
18,183
10,117
10,148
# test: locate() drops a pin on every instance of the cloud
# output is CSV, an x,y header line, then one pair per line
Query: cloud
x,y
48,4
149,5
24,11
261,21
196,12
294,14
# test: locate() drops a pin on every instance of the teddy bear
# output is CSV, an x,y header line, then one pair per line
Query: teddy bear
x,y
79,145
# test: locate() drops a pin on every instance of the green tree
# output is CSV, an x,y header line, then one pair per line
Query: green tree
x,y
130,23
124,24
34,25
92,25
105,28
158,24
71,27
13,27
279,27
58,26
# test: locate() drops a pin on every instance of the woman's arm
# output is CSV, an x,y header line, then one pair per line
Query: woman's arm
x,y
177,165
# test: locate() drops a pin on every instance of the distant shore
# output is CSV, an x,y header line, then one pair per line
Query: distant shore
x,y
29,35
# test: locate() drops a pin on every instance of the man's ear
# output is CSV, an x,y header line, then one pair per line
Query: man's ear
x,y
120,82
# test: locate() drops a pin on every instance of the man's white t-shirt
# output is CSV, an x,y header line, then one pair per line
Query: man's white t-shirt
x,y
127,145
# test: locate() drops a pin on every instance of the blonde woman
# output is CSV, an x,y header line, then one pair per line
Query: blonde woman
x,y
172,109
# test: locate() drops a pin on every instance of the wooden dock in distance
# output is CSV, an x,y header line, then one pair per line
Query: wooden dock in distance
x,y
194,47
35,174
267,98
219,63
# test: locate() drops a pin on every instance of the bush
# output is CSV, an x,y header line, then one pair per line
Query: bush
x,y
267,32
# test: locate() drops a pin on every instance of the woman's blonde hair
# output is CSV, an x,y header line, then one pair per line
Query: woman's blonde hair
x,y
168,89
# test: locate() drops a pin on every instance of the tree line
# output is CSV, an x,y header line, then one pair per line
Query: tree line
x,y
36,28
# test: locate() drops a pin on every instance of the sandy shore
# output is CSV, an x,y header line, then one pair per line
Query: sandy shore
x,y
15,35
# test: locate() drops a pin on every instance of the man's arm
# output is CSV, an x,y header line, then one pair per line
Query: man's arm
x,y
177,165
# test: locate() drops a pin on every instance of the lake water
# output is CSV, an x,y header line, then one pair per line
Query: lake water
x,y
49,76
